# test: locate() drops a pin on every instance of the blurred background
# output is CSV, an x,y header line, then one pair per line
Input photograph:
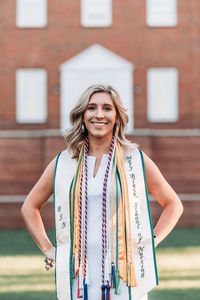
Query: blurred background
x,y
50,52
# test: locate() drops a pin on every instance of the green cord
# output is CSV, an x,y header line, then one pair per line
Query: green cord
x,y
117,251
72,216
71,245
117,287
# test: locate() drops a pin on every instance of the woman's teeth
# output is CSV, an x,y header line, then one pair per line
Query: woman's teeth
x,y
99,124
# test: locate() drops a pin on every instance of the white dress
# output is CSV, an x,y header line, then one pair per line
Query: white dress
x,y
95,185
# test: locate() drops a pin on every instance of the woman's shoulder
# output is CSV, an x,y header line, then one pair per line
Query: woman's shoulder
x,y
129,149
65,158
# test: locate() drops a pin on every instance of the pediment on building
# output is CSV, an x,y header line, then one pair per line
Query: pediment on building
x,y
96,57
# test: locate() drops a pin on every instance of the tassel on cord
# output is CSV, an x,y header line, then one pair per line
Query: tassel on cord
x,y
85,290
117,286
133,278
107,268
128,274
113,278
80,282
87,274
108,287
80,291
73,266
124,271
103,287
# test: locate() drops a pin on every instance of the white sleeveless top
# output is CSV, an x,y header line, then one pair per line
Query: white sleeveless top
x,y
95,186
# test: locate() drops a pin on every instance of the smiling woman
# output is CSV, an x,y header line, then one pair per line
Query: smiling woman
x,y
99,99
104,236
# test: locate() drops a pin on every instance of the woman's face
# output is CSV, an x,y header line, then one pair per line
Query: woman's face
x,y
100,115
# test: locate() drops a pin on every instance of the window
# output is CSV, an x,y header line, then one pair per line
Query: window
x,y
31,94
31,13
96,13
161,13
162,90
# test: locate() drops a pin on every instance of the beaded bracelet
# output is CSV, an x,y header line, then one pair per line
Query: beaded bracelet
x,y
48,263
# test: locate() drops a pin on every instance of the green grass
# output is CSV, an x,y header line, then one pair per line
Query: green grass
x,y
181,238
28,296
22,274
19,242
178,294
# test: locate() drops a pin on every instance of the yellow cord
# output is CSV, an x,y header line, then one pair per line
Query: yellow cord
x,y
130,266
112,243
123,211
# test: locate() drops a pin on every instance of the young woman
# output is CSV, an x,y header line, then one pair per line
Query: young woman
x,y
104,237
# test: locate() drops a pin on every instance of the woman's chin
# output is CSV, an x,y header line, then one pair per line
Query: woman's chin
x,y
99,133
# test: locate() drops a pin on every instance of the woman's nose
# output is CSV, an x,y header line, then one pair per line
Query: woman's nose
x,y
99,113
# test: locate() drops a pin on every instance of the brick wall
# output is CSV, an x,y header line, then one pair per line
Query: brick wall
x,y
129,37
22,160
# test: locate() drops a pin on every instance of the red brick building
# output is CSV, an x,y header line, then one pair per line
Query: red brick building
x,y
50,51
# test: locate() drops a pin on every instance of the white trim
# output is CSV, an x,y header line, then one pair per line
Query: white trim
x,y
183,197
16,198
12,198
30,133
167,132
137,132
21,198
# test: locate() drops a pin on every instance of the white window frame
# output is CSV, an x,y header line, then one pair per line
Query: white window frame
x,y
26,18
88,6
31,85
162,106
159,18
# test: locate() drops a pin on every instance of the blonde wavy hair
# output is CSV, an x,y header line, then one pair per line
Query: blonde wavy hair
x,y
75,135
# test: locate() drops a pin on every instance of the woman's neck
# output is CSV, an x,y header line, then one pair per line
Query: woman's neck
x,y
99,146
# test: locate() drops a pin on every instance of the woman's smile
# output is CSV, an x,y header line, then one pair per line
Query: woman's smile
x,y
99,124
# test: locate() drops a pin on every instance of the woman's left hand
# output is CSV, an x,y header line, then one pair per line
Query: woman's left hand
x,y
50,253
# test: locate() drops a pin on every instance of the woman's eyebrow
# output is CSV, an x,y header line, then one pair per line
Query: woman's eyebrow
x,y
104,104
108,104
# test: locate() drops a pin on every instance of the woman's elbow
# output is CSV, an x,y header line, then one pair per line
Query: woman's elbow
x,y
180,208
177,207
24,210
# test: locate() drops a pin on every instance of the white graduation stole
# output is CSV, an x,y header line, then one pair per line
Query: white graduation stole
x,y
141,227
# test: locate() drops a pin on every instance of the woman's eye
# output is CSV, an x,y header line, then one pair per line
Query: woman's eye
x,y
108,108
91,108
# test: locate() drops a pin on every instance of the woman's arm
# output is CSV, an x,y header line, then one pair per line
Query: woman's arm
x,y
38,196
166,197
